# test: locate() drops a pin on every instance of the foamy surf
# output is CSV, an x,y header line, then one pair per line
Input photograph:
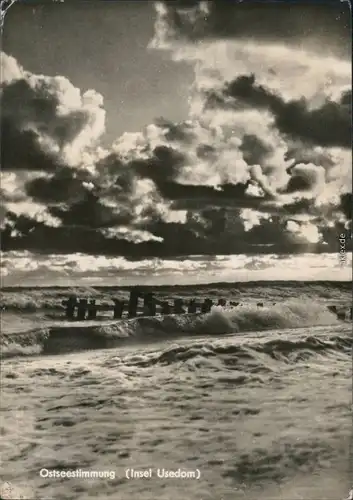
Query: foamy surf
x,y
72,337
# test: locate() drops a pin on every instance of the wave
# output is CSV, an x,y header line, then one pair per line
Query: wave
x,y
249,356
72,337
32,299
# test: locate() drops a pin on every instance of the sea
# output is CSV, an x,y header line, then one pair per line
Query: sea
x,y
244,402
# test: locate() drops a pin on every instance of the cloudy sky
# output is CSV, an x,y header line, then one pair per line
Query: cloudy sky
x,y
176,141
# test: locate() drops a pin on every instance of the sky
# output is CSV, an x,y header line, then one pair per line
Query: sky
x,y
100,47
148,141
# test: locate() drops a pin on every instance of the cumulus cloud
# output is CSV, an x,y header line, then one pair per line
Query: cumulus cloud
x,y
46,121
305,231
285,104
252,218
51,158
262,164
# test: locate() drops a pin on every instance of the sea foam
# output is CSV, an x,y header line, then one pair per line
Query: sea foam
x,y
59,338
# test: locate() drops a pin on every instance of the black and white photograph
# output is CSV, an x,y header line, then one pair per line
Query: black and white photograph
x,y
176,250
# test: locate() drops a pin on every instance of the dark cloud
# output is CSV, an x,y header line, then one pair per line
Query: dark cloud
x,y
21,149
328,125
179,239
299,207
287,22
347,205
90,212
304,178
298,183
162,167
214,232
332,235
254,149
62,187
301,154
196,197
68,239
176,131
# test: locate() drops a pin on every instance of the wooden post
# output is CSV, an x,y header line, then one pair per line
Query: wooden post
x,y
178,306
222,302
118,308
70,305
206,306
147,297
133,303
92,309
341,315
149,305
165,307
82,309
192,307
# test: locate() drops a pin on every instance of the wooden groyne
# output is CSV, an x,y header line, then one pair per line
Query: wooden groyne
x,y
145,304
80,309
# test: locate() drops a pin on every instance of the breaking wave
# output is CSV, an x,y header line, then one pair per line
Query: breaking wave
x,y
247,356
72,337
